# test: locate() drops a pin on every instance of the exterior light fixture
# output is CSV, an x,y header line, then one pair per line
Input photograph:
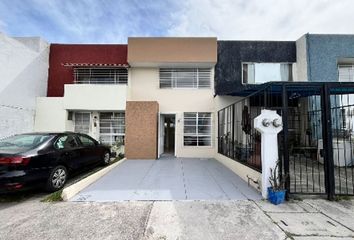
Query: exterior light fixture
x,y
266,122
276,122
95,121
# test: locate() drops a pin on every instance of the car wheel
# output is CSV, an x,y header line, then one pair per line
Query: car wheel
x,y
106,158
57,178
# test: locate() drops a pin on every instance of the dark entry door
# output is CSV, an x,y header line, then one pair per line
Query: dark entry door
x,y
169,134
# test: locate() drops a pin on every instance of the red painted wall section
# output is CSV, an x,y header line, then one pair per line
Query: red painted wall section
x,y
70,53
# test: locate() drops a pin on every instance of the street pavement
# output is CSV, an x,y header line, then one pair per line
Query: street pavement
x,y
230,219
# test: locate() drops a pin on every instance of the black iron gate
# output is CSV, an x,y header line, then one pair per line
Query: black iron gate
x,y
317,141
316,146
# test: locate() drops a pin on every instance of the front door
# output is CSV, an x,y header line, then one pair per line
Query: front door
x,y
167,134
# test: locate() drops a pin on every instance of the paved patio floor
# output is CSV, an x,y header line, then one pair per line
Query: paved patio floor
x,y
168,179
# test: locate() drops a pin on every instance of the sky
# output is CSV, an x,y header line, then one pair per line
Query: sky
x,y
113,21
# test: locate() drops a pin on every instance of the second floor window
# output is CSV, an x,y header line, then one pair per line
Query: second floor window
x,y
101,75
257,73
346,72
185,77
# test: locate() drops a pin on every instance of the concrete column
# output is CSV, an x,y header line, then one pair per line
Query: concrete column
x,y
269,124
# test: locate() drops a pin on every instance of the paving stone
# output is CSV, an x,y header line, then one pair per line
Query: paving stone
x,y
207,220
307,224
342,211
285,207
70,220
321,238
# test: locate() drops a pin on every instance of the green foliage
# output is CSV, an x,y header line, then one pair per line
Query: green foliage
x,y
276,179
54,197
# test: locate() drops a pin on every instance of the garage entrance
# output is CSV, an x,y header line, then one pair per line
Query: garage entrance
x,y
174,179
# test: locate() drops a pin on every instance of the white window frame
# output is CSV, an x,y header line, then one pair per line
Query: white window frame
x,y
254,63
350,67
89,124
174,79
112,72
111,134
196,134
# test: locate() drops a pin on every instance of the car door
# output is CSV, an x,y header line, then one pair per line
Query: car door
x,y
68,150
89,148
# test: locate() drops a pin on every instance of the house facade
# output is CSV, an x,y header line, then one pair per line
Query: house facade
x,y
87,91
309,82
193,97
154,95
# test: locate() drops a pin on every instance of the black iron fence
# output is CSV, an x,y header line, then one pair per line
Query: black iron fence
x,y
237,137
316,145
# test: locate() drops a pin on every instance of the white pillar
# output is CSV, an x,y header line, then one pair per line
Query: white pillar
x,y
269,124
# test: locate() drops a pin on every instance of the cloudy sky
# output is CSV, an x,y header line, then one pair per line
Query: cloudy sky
x,y
112,21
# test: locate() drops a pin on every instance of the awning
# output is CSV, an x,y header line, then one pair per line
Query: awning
x,y
123,65
300,88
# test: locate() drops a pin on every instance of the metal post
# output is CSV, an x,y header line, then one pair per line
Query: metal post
x,y
218,126
233,131
285,139
327,142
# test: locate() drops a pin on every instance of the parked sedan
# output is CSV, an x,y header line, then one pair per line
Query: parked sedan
x,y
29,160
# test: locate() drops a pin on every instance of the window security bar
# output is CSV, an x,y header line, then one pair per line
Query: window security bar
x,y
185,77
100,75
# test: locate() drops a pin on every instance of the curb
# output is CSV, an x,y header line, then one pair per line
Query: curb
x,y
75,188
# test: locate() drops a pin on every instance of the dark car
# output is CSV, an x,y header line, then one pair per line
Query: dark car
x,y
29,160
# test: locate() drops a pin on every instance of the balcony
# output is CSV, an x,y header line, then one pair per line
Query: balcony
x,y
95,97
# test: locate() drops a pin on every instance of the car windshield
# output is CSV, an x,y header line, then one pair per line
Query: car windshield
x,y
21,143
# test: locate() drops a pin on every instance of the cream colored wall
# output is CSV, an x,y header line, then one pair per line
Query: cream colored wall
x,y
144,86
241,170
224,101
95,97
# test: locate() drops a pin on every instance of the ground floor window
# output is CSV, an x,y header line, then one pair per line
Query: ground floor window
x,y
197,129
112,127
82,122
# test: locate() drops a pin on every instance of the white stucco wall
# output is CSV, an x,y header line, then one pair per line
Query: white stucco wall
x,y
23,78
301,59
52,112
51,115
95,97
144,86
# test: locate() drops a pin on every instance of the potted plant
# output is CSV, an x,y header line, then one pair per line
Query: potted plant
x,y
276,193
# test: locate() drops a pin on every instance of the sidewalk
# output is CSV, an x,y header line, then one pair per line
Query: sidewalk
x,y
308,219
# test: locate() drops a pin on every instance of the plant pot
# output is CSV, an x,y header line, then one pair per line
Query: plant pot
x,y
276,197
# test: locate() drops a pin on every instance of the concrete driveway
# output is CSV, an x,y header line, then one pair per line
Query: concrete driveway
x,y
168,179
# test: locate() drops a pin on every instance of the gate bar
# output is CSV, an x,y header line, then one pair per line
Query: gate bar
x,y
285,139
327,142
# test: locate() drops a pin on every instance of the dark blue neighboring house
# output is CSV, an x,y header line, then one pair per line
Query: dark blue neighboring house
x,y
310,83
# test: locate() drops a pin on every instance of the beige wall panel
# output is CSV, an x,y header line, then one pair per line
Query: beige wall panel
x,y
172,50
